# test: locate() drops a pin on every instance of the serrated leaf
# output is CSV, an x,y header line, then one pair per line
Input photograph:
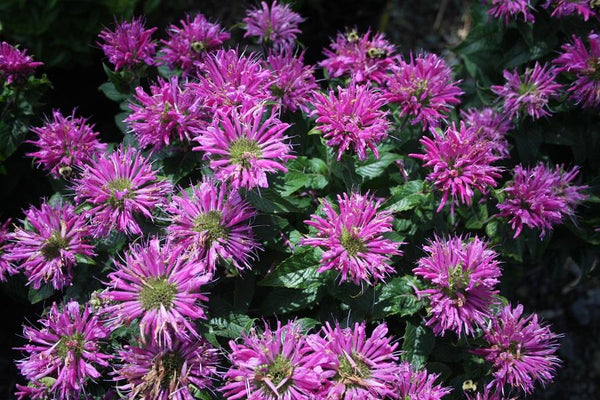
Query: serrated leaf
x,y
373,167
407,196
269,201
37,295
417,345
296,272
110,91
283,300
398,297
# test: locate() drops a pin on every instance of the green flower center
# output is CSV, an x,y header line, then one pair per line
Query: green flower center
x,y
275,373
157,292
198,47
120,189
73,343
458,278
594,68
242,150
352,244
527,88
168,367
277,91
53,245
210,223
352,370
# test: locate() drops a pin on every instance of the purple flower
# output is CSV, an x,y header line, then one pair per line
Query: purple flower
x,y
171,111
461,162
162,288
510,9
488,394
213,224
529,94
276,25
64,351
273,365
585,66
353,118
491,126
15,64
353,239
231,79
65,143
187,45
423,88
47,244
161,373
118,187
129,45
358,366
294,82
6,266
522,350
418,385
563,8
243,146
363,58
463,275
539,197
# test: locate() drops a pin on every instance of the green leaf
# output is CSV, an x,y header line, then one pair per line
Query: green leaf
x,y
37,295
283,300
417,345
296,272
110,91
398,297
407,196
269,201
372,167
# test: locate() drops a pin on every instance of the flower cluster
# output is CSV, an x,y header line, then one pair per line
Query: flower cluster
x,y
129,45
352,119
529,94
63,353
276,25
577,60
213,224
172,111
522,351
15,64
511,9
65,144
423,88
463,275
118,187
353,238
187,44
540,197
461,161
364,58
46,247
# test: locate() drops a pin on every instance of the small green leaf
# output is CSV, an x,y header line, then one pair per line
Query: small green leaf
x,y
373,167
296,272
37,295
417,345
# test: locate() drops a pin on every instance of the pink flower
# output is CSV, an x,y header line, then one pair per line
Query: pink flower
x,y
231,79
510,9
129,45
522,351
463,275
294,82
352,119
47,244
213,224
491,126
353,239
539,197
243,146
172,111
359,366
363,58
461,162
15,64
529,94
155,372
584,64
273,365
6,266
161,288
423,88
187,45
65,143
418,385
118,187
65,349
563,8
276,25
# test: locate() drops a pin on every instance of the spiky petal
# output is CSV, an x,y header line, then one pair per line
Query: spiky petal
x,y
129,45
15,64
275,25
